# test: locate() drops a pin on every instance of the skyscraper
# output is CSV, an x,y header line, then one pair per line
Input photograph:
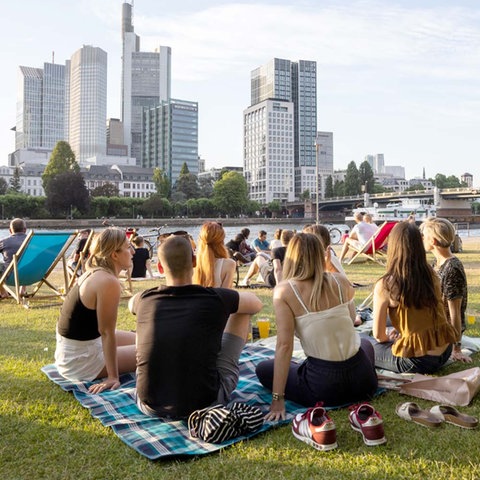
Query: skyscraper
x,y
146,82
40,106
170,137
295,82
88,102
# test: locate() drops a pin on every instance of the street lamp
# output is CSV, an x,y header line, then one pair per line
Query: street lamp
x,y
317,146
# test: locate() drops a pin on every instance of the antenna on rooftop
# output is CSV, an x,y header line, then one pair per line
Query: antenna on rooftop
x,y
53,56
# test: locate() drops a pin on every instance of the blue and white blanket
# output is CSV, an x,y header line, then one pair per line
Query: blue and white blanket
x,y
155,438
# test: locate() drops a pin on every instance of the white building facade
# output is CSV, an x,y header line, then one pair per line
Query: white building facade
x,y
88,103
269,151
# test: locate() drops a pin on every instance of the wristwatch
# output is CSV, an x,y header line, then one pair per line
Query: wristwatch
x,y
278,396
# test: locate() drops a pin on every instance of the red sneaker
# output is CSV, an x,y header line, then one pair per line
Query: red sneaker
x,y
366,420
316,428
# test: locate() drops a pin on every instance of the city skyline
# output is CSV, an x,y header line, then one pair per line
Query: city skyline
x,y
393,78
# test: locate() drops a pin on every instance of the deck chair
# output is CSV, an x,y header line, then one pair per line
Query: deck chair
x,y
372,248
34,261
74,271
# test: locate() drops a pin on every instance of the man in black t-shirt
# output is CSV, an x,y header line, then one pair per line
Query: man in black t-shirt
x,y
189,338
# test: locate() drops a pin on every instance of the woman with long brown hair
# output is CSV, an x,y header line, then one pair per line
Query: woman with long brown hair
x,y
409,294
317,307
213,267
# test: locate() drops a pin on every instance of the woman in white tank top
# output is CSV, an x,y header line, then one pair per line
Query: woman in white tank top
x,y
213,268
318,308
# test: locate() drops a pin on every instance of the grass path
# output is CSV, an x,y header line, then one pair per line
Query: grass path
x,y
46,434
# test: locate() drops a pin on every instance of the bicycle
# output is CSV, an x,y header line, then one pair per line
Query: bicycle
x,y
335,234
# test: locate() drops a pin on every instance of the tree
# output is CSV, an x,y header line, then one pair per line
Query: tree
x,y
230,194
61,161
352,180
206,187
416,186
157,206
274,207
106,190
162,183
3,186
339,188
187,183
329,187
66,191
442,181
366,178
15,182
305,195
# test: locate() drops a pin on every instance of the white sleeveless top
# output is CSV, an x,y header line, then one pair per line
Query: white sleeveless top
x,y
218,272
327,334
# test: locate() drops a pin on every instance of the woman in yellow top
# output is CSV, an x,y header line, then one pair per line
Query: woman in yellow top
x,y
409,295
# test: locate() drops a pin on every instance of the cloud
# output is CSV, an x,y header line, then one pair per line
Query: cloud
x,y
409,41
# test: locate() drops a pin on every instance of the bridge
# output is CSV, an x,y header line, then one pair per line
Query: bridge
x,y
452,203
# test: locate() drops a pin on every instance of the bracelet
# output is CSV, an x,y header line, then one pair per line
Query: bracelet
x,y
278,396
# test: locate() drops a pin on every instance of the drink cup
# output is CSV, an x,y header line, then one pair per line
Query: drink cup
x,y
263,327
470,318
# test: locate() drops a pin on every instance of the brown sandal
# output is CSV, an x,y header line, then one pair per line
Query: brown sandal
x,y
451,415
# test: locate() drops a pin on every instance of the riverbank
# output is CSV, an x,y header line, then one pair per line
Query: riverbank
x,y
78,224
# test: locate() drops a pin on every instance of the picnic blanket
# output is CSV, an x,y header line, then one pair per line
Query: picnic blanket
x,y
155,438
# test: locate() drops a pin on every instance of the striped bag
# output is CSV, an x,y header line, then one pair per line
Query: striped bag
x,y
219,423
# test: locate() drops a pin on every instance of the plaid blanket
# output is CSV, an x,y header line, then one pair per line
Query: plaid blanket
x,y
155,438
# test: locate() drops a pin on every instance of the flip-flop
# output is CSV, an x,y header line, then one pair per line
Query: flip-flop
x,y
412,412
451,415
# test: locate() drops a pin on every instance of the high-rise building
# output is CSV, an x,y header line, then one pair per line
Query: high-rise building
x,y
325,162
269,151
170,137
146,82
40,107
295,82
88,102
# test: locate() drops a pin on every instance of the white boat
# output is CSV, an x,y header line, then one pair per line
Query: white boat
x,y
406,209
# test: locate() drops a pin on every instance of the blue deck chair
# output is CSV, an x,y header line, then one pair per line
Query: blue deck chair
x,y
34,261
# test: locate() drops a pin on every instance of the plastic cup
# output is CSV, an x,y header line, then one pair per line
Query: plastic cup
x,y
263,327
470,318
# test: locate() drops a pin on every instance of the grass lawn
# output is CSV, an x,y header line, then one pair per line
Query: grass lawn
x,y
45,433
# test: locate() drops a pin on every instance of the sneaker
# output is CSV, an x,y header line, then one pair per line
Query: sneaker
x,y
245,283
316,428
366,420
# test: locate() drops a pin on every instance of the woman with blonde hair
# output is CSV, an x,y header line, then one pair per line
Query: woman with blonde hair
x,y
409,293
317,307
438,237
88,345
213,267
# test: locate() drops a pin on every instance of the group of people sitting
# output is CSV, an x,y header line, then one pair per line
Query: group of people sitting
x,y
190,332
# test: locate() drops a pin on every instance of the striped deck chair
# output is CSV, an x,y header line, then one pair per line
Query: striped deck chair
x,y
34,261
372,248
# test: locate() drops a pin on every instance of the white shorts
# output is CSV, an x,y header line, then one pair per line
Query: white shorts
x,y
79,360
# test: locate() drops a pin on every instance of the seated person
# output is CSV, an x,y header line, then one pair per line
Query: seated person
x,y
10,245
276,242
189,338
76,254
409,294
318,308
245,249
261,245
270,270
234,246
359,235
89,346
141,259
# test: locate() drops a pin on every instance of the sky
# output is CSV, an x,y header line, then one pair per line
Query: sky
x,y
394,77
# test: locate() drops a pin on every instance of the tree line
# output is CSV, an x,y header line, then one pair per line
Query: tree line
x,y
66,194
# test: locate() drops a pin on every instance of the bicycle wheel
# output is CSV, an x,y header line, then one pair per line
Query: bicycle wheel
x,y
335,236
148,246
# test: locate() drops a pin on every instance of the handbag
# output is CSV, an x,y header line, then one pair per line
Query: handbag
x,y
218,423
455,389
